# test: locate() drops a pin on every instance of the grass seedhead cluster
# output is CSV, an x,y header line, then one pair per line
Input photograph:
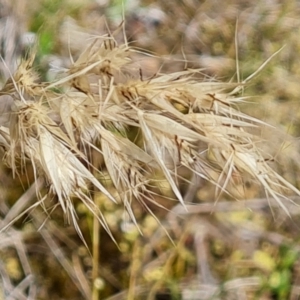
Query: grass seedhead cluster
x,y
102,109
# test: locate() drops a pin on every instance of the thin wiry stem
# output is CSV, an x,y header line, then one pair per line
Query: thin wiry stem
x,y
95,247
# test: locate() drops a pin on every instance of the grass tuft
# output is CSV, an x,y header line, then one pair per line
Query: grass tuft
x,y
179,121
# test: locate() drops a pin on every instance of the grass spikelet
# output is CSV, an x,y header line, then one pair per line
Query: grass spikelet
x,y
77,112
126,175
25,80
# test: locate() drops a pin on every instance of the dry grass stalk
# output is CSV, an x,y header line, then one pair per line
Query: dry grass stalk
x,y
183,120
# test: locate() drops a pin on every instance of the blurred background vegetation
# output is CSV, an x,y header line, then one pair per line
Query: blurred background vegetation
x,y
227,250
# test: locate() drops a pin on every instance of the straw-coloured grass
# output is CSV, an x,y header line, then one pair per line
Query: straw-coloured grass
x,y
178,120
110,138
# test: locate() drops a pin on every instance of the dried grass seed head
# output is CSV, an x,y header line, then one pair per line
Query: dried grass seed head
x,y
183,121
